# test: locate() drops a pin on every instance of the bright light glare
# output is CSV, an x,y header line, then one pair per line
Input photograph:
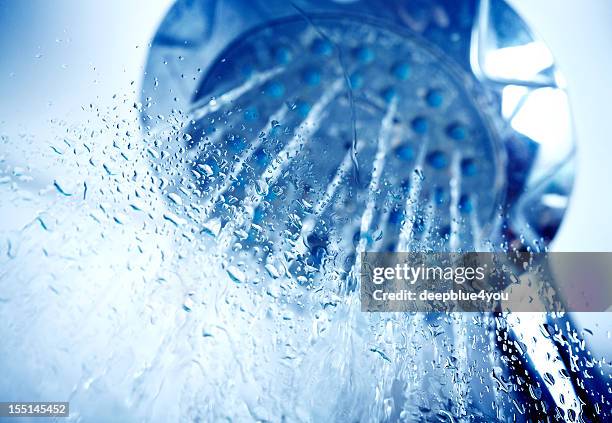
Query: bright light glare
x,y
545,118
522,62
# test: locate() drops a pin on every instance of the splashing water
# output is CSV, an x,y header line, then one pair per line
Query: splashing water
x,y
206,272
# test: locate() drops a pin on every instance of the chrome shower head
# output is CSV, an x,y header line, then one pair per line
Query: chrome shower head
x,y
320,129
346,120
301,133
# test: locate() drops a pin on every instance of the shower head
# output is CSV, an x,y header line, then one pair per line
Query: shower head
x,y
373,141
321,125
299,134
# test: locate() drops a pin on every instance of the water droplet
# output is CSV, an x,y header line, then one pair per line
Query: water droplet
x,y
175,198
174,219
60,189
188,304
272,271
236,274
